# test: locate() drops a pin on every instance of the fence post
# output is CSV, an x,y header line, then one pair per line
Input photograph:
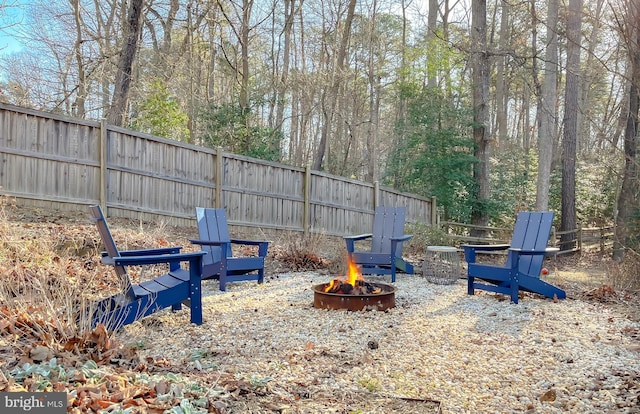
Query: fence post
x,y
219,177
376,194
602,239
102,142
306,212
434,211
579,237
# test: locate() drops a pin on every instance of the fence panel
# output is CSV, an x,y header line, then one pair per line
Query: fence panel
x,y
340,206
419,210
157,176
263,194
46,158
56,162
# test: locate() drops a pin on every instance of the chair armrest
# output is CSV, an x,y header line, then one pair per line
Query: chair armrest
x,y
263,245
208,242
152,252
401,239
470,250
147,252
351,241
527,252
147,260
486,247
250,242
359,237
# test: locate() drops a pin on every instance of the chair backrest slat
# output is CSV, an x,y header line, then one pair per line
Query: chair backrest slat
x,y
111,249
212,226
388,222
531,232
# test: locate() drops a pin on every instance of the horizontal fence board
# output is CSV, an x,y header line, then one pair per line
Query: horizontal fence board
x,y
50,157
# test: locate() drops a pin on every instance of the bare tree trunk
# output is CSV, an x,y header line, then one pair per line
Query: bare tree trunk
x,y
432,27
105,33
302,156
241,72
81,93
589,79
328,111
401,113
627,199
289,11
480,79
570,122
374,104
247,6
501,93
526,121
213,55
547,113
118,110
624,110
446,71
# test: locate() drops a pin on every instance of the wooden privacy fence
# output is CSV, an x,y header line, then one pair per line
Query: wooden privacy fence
x,y
582,238
61,163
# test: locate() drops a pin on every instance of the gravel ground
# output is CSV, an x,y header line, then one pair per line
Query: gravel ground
x,y
470,354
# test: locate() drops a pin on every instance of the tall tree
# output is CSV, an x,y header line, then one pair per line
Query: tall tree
x,y
480,83
374,101
81,94
118,110
281,87
501,84
570,122
328,110
432,36
627,199
547,108
243,14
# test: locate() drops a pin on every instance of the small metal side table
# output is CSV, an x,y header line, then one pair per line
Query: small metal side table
x,y
442,265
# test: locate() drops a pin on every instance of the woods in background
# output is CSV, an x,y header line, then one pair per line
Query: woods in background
x,y
493,107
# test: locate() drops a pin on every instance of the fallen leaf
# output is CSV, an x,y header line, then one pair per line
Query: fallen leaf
x,y
162,388
41,353
548,396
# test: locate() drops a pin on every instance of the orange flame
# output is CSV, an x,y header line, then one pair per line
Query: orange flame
x,y
354,272
330,285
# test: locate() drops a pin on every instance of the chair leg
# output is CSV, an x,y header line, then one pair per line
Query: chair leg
x,y
393,269
195,290
470,289
261,275
515,288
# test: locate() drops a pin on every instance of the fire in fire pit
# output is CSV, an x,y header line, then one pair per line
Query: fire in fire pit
x,y
354,293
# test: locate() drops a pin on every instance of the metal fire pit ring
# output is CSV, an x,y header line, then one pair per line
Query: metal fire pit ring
x,y
339,301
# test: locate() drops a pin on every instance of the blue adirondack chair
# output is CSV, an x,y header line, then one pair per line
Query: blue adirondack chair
x,y
525,257
219,263
385,254
137,301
